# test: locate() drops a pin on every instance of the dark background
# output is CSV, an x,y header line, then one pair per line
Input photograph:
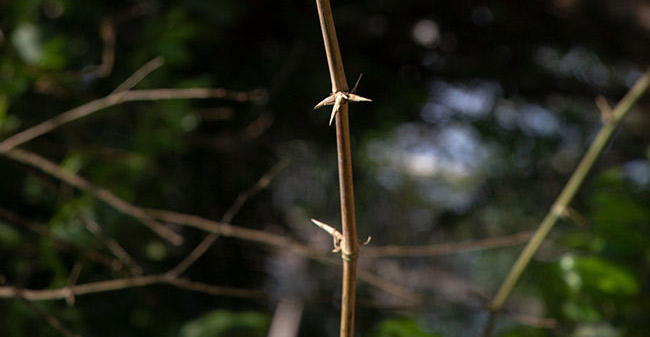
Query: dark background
x,y
481,110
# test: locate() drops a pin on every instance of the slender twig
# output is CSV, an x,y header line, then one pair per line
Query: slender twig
x,y
139,75
239,202
210,226
279,242
77,181
72,280
119,98
112,245
570,189
65,117
121,284
61,243
349,244
108,36
54,322
447,248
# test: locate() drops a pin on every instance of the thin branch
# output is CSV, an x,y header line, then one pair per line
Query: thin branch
x,y
228,230
121,284
119,98
447,248
390,287
61,243
349,244
279,242
213,290
112,245
239,202
108,36
54,322
72,280
210,226
139,75
77,181
570,189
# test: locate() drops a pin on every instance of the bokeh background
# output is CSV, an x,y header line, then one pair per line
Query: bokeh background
x,y
480,112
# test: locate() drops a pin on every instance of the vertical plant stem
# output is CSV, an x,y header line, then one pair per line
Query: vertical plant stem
x,y
349,244
570,189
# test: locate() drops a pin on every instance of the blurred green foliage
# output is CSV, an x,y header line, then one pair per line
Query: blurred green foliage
x,y
401,327
226,324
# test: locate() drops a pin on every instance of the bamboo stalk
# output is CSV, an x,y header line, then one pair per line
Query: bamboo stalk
x,y
611,121
349,244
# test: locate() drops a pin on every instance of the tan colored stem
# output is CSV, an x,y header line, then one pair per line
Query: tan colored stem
x,y
350,247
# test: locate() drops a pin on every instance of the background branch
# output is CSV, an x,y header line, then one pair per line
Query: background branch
x,y
112,245
569,190
239,202
42,230
77,181
119,98
446,248
122,284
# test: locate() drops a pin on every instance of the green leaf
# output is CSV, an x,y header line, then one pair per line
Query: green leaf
x,y
223,323
601,329
72,163
4,104
66,223
401,327
53,57
606,277
580,312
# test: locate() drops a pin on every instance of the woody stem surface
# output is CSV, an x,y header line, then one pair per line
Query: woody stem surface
x,y
349,245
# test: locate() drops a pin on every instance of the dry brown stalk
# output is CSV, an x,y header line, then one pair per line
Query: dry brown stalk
x,y
340,95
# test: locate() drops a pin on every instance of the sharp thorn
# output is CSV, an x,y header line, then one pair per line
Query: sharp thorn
x,y
354,89
357,98
329,100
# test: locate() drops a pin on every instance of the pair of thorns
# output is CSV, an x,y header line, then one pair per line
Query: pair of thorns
x,y
340,97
